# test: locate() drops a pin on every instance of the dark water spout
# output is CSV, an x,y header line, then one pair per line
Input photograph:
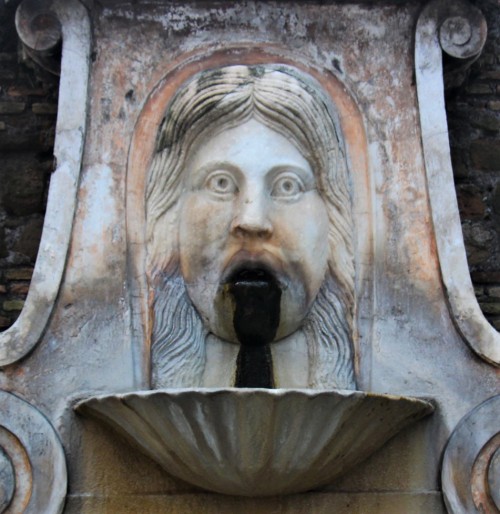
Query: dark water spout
x,y
256,317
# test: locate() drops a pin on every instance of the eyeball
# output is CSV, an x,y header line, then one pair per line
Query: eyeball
x,y
221,183
287,186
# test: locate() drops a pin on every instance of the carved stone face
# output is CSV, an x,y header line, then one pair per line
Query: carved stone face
x,y
251,203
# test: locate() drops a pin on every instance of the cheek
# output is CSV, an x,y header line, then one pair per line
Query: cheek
x,y
315,243
202,233
304,228
305,242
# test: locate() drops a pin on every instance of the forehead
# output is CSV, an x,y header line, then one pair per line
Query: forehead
x,y
250,146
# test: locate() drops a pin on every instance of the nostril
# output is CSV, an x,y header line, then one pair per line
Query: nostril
x,y
257,225
245,230
252,217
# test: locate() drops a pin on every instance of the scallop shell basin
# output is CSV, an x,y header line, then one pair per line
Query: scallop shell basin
x,y
256,442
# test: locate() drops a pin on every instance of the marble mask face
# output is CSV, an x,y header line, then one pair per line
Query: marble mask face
x,y
251,202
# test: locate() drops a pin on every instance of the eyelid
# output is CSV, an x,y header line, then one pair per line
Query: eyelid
x,y
305,177
202,174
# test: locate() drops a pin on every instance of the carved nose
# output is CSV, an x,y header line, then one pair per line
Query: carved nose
x,y
252,220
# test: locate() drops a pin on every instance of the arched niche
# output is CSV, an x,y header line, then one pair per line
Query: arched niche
x,y
141,152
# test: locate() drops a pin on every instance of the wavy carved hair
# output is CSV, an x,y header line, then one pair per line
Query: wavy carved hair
x,y
285,100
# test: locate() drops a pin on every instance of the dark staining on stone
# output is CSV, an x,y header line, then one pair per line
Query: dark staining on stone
x,y
130,96
213,75
257,71
336,65
256,297
161,142
106,109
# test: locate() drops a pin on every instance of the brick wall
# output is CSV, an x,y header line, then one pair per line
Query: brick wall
x,y
474,125
28,98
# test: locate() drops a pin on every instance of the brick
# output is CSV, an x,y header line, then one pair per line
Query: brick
x,y
19,274
29,239
7,75
8,57
479,290
479,89
494,105
44,108
458,164
18,90
485,155
17,305
494,292
476,256
12,107
496,323
484,119
4,252
490,75
23,186
477,235
470,202
19,289
5,322
488,58
490,307
486,277
495,200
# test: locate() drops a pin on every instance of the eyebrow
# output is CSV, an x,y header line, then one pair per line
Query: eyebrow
x,y
203,171
306,174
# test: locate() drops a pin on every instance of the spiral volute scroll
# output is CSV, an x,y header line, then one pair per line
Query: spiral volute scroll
x,y
462,32
33,477
471,464
40,31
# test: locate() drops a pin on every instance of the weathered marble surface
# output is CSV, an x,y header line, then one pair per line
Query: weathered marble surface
x,y
470,464
257,442
94,335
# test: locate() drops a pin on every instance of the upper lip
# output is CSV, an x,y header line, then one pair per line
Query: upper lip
x,y
244,260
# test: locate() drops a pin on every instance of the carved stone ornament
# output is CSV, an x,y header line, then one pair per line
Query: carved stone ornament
x,y
263,450
33,475
471,464
459,29
41,25
252,265
273,266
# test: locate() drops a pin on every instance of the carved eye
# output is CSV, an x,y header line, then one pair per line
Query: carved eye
x,y
287,185
221,183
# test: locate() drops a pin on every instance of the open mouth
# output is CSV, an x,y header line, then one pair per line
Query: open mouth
x,y
256,294
251,277
252,272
